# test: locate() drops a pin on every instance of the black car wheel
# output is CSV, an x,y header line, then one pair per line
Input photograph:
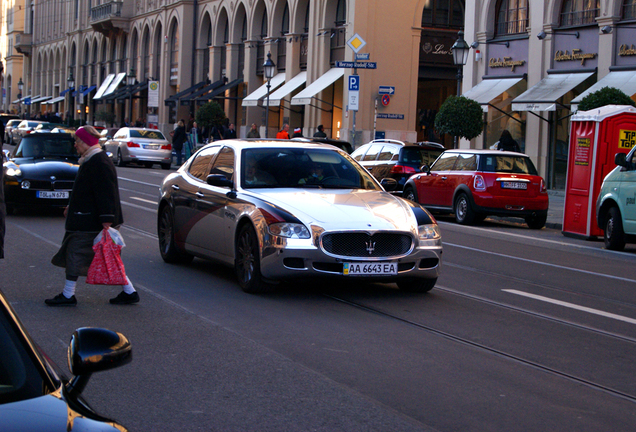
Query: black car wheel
x,y
247,262
165,166
614,235
464,213
536,221
167,247
417,285
409,194
120,159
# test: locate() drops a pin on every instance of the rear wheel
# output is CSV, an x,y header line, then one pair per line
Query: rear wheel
x,y
614,235
247,263
417,285
536,221
165,166
167,247
409,194
120,159
464,213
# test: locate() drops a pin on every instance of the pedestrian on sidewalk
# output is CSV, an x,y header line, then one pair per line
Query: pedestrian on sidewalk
x,y
94,205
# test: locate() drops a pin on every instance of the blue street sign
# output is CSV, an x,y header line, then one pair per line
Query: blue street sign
x,y
365,56
359,65
386,90
391,116
354,83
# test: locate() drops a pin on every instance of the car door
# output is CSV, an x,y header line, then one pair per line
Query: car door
x,y
433,187
628,192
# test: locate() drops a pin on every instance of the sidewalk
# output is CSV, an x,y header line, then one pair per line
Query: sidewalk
x,y
555,211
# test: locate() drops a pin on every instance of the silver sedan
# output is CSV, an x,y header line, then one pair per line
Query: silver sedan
x,y
140,145
277,210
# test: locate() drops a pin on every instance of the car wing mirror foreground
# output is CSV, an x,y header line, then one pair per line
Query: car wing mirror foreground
x,y
425,169
94,350
6,155
620,160
389,184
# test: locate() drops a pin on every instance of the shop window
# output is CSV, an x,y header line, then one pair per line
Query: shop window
x,y
629,9
512,17
579,12
174,55
443,14
260,47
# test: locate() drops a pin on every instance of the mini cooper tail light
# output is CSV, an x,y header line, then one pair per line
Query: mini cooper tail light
x,y
542,187
479,184
166,147
132,144
402,169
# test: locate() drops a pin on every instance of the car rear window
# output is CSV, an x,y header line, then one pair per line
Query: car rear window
x,y
508,164
419,156
149,134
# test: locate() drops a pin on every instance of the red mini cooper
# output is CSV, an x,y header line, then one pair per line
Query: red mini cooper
x,y
474,184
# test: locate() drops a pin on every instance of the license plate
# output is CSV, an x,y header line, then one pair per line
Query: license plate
x,y
52,194
151,146
513,185
370,269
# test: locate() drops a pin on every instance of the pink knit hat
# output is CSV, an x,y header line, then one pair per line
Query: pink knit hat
x,y
85,136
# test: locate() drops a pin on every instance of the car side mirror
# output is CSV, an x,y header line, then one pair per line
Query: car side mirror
x,y
94,350
619,160
425,169
389,184
219,180
6,155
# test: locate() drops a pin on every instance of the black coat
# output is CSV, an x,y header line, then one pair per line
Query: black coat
x,y
3,213
179,138
95,196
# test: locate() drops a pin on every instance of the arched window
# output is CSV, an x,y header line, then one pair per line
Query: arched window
x,y
260,48
629,9
113,56
241,60
206,51
94,65
146,56
174,54
282,41
512,17
223,60
444,14
124,55
579,12
341,13
85,66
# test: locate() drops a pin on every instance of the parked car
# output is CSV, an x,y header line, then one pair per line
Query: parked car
x,y
140,145
107,134
47,127
11,124
385,158
476,183
278,210
341,144
40,171
24,128
616,203
5,118
35,395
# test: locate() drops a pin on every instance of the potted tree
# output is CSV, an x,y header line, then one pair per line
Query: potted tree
x,y
210,116
605,96
461,117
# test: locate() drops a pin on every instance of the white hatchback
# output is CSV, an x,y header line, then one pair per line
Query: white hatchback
x,y
140,145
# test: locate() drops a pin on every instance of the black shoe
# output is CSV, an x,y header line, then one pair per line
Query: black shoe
x,y
124,298
61,300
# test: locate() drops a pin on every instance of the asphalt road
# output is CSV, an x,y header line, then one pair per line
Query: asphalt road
x,y
526,330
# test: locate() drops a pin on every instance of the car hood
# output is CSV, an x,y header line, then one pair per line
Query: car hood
x,y
47,168
49,413
342,209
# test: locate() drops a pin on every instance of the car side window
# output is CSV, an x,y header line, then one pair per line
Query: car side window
x,y
372,153
199,167
224,163
466,162
387,153
445,162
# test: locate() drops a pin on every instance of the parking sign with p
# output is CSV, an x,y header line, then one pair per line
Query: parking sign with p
x,y
354,82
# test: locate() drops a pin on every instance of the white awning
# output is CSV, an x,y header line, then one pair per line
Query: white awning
x,y
258,94
324,81
40,99
102,88
543,95
285,90
21,100
113,85
489,89
54,100
625,81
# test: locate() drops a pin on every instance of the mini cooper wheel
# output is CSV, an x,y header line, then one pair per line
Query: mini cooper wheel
x,y
167,247
464,213
416,285
409,194
247,263
120,159
536,221
614,235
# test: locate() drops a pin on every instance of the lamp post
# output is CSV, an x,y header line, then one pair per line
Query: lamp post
x,y
20,87
71,87
460,51
131,80
268,69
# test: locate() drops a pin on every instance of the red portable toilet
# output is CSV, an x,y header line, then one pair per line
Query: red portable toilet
x,y
595,137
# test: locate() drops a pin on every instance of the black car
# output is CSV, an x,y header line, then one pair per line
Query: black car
x,y
40,172
385,158
35,396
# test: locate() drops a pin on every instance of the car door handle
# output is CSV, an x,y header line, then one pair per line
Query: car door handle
x,y
175,187
199,194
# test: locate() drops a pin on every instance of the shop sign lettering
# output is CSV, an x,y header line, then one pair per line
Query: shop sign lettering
x,y
575,55
627,50
626,139
507,62
438,49
582,156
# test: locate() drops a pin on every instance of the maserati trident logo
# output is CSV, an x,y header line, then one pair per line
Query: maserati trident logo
x,y
370,246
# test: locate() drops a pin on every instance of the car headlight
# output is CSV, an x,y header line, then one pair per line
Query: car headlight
x,y
13,170
429,232
289,230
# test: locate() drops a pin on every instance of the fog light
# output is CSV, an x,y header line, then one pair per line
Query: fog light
x,y
25,184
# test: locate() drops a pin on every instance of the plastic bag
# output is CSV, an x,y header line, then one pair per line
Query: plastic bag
x,y
107,267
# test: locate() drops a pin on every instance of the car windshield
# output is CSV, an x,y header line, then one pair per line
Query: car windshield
x,y
508,164
302,168
419,156
40,146
149,134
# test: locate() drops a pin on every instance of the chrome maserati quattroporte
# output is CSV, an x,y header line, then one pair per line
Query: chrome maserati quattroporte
x,y
276,210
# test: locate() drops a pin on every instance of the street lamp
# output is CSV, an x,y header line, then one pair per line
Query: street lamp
x,y
269,68
131,80
460,51
20,87
71,88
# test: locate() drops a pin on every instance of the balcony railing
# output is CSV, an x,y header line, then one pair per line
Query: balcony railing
x,y
23,43
106,11
109,16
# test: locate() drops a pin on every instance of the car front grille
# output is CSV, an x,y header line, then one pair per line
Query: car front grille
x,y
362,244
46,185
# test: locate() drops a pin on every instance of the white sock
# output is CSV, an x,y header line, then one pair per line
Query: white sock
x,y
128,288
69,288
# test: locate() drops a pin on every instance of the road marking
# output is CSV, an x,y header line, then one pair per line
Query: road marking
x,y
139,207
543,263
572,306
144,200
139,182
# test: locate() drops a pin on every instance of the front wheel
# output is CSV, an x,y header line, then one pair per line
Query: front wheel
x,y
247,263
614,235
167,247
536,221
416,285
464,213
120,159
409,194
